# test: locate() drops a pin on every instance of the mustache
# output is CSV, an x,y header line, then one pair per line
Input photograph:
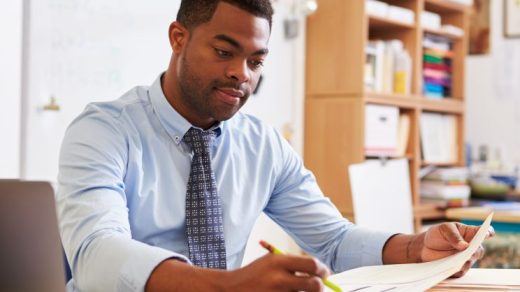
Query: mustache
x,y
234,85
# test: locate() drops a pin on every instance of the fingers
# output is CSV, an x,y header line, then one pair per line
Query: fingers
x,y
308,265
468,264
491,232
450,232
469,231
465,268
305,283
299,273
478,254
432,255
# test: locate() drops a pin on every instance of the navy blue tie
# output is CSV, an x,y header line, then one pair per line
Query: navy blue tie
x,y
204,226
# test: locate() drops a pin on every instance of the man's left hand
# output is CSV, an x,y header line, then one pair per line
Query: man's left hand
x,y
450,238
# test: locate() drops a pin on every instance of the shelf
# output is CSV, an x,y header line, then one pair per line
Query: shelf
x,y
445,105
406,156
376,22
337,95
444,6
399,100
451,36
429,211
439,164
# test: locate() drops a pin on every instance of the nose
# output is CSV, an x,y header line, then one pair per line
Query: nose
x,y
239,71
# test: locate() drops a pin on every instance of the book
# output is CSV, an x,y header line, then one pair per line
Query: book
x,y
374,65
377,8
403,134
401,14
430,20
440,190
449,174
438,134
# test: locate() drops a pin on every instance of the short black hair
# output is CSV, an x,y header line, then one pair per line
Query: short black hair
x,y
195,12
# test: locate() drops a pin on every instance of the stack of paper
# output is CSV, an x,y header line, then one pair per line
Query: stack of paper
x,y
485,279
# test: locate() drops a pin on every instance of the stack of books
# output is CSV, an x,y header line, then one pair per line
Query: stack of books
x,y
447,184
437,66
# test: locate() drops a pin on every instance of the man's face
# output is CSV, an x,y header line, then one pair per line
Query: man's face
x,y
221,63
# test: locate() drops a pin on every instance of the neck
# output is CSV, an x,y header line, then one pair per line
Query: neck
x,y
170,88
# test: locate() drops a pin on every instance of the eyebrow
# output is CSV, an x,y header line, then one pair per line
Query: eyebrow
x,y
237,45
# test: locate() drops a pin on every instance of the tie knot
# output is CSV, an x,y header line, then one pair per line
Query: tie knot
x,y
199,140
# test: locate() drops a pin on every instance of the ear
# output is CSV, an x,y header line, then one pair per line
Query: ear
x,y
178,35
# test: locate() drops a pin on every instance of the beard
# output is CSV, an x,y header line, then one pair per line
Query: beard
x,y
200,96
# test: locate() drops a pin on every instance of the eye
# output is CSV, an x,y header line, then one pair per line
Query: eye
x,y
256,64
222,53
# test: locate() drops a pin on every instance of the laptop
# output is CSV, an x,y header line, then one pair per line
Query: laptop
x,y
31,256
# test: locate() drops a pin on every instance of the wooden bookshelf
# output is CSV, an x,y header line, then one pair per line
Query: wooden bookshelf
x,y
335,101
387,24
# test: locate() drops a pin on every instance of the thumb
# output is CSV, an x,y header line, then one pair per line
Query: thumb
x,y
452,234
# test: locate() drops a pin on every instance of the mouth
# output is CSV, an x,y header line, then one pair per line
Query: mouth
x,y
229,95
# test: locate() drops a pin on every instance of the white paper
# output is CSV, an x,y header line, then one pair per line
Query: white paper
x,y
409,277
486,278
388,184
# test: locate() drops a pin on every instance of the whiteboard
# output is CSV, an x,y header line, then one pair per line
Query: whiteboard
x,y
95,50
10,83
381,195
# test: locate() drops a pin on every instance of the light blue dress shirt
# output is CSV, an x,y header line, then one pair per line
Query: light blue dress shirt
x,y
122,185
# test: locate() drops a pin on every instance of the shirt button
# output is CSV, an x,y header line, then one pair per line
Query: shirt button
x,y
177,138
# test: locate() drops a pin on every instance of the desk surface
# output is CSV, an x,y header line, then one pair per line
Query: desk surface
x,y
483,280
480,213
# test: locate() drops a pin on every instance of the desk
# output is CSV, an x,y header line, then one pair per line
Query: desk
x,y
503,221
482,280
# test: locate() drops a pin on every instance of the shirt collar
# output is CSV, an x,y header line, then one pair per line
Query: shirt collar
x,y
174,124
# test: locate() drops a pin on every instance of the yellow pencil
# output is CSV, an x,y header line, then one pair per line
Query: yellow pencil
x,y
275,250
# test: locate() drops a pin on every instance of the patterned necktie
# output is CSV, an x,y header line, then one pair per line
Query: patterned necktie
x,y
204,227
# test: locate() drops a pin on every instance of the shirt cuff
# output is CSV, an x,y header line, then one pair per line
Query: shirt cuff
x,y
136,271
364,247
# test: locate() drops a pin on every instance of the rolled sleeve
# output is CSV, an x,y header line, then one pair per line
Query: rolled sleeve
x,y
360,247
138,262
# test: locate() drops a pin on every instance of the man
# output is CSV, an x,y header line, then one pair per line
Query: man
x,y
159,189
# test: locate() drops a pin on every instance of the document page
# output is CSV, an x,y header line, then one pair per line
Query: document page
x,y
409,277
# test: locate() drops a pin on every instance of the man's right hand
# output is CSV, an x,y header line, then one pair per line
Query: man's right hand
x,y
268,273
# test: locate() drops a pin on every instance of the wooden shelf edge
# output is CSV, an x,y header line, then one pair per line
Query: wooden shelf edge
x,y
440,164
402,101
408,157
443,6
447,105
428,211
381,22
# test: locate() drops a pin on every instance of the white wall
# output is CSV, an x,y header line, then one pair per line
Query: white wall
x,y
493,94
10,80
